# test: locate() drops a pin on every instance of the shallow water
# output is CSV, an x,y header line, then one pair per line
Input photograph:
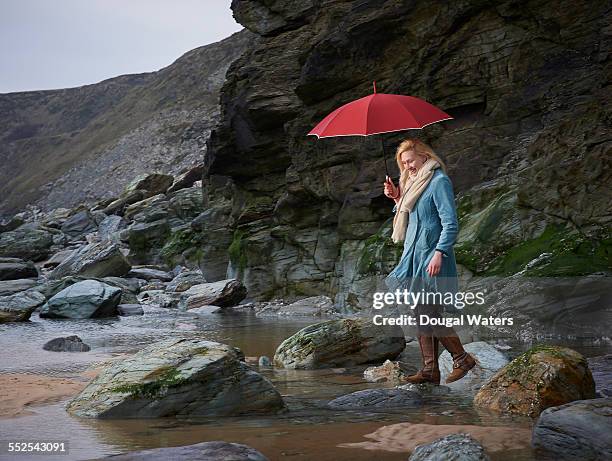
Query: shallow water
x,y
308,431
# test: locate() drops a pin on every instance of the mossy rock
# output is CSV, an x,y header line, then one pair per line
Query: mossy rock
x,y
543,377
178,377
342,342
568,253
558,251
377,251
183,242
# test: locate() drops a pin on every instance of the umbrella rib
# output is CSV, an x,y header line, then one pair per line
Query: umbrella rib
x,y
367,124
403,108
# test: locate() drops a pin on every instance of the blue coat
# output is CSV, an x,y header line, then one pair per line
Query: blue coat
x,y
432,225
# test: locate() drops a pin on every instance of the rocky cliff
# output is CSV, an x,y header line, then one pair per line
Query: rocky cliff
x,y
528,150
64,147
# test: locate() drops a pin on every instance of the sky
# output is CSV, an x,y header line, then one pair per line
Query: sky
x,y
50,44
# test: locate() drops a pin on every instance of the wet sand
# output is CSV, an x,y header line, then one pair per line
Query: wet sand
x,y
20,391
404,437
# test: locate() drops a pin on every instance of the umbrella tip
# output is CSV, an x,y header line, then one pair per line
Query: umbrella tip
x,y
374,84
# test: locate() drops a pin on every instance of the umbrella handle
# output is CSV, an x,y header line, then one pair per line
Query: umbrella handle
x,y
384,157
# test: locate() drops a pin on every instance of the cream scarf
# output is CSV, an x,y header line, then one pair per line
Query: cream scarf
x,y
411,188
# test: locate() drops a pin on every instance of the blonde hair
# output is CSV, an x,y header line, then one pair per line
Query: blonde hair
x,y
419,147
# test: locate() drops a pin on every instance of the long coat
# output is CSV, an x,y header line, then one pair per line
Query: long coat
x,y
432,225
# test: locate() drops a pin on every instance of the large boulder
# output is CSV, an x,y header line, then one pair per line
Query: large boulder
x,y
488,361
15,268
224,293
204,451
30,242
542,377
19,306
343,342
129,286
83,300
178,377
453,447
100,259
578,431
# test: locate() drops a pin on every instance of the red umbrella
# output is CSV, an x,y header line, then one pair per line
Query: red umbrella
x,y
378,113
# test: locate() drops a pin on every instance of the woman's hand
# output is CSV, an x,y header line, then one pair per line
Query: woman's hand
x,y
434,266
390,190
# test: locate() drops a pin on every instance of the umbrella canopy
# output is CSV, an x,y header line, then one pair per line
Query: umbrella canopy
x,y
378,113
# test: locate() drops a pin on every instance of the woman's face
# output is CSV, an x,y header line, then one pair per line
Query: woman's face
x,y
412,161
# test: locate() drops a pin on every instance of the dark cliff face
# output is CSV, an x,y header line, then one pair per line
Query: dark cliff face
x,y
528,151
62,147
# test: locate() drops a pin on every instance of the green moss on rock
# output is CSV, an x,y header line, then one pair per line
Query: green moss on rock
x,y
182,240
542,377
563,252
237,250
164,379
378,248
523,363
570,254
467,256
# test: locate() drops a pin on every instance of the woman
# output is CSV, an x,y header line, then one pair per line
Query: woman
x,y
426,220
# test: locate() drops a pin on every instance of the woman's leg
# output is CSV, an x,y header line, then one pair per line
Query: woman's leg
x,y
428,343
462,361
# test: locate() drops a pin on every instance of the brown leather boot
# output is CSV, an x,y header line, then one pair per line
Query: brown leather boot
x,y
430,373
462,361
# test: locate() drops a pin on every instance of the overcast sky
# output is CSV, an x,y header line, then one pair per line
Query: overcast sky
x,y
48,44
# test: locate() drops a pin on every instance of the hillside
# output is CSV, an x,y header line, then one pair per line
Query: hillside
x,y
63,147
